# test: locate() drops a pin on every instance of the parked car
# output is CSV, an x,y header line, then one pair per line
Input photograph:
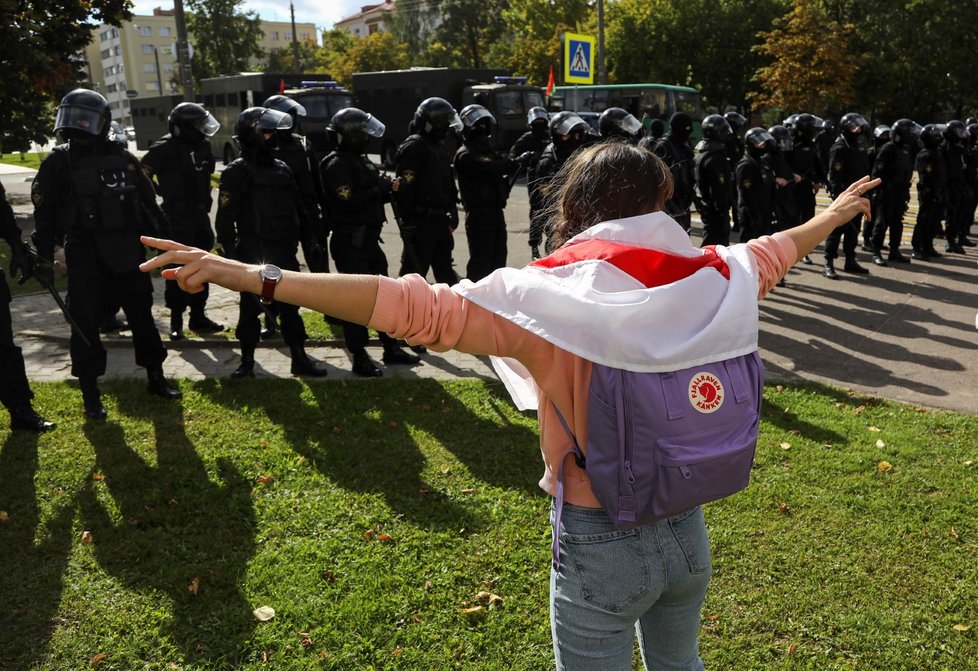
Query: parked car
x,y
131,132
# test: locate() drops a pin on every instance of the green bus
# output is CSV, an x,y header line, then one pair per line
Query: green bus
x,y
645,101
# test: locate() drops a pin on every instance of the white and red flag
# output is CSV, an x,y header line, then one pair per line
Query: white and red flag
x,y
632,293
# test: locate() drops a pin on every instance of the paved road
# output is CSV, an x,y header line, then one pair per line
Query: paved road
x,y
904,332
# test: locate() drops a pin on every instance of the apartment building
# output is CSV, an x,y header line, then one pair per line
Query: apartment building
x,y
366,22
138,57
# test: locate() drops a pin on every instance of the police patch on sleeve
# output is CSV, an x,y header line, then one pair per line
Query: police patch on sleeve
x,y
224,199
37,196
344,192
408,176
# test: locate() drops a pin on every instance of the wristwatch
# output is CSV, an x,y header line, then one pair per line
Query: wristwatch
x,y
270,276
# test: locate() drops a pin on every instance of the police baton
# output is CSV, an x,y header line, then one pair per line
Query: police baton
x,y
57,297
409,251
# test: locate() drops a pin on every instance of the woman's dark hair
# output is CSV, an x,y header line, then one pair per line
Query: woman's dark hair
x,y
606,181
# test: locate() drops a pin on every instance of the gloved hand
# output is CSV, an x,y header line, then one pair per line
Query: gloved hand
x,y
228,249
526,158
315,257
21,261
44,272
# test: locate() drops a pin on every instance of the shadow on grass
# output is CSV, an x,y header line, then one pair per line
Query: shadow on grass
x,y
177,528
363,436
31,572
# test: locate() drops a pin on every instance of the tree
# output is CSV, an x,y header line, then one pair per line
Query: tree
x,y
39,46
283,59
811,68
379,51
225,38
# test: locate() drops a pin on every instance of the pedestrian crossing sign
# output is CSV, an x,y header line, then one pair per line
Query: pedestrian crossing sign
x,y
578,59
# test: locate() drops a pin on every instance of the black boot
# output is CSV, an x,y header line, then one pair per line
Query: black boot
x,y
364,366
24,418
829,270
270,328
247,366
176,326
199,323
852,266
92,398
303,365
113,325
396,355
159,385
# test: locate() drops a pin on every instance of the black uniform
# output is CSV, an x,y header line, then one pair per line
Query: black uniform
x,y
712,172
183,177
957,193
678,156
785,205
735,152
427,203
292,152
483,185
15,392
931,198
97,201
803,159
755,197
261,219
847,163
894,166
355,194
874,196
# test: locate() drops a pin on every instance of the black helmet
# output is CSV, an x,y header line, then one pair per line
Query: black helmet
x,y
782,137
789,122
354,128
905,132
538,116
853,125
736,120
806,126
615,121
191,122
973,131
758,140
680,126
254,122
83,112
971,121
435,116
828,126
566,123
477,121
715,127
881,133
289,106
931,135
955,132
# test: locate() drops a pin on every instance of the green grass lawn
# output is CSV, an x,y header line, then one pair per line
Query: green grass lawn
x,y
371,514
29,159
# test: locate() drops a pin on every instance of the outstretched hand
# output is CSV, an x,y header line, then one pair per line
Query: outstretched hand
x,y
852,202
197,267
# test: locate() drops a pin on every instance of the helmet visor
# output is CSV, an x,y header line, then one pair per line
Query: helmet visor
x,y
537,113
373,126
274,120
208,125
82,118
474,116
567,125
630,124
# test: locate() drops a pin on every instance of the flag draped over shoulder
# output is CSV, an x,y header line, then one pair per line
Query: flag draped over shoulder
x,y
631,293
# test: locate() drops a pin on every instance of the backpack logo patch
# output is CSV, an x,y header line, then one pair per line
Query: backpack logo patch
x,y
706,392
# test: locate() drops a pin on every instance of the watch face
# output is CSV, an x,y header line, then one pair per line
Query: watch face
x,y
270,272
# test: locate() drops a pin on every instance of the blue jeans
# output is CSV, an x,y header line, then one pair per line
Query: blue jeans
x,y
613,584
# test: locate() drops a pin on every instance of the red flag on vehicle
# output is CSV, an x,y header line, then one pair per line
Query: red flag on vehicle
x,y
281,86
550,81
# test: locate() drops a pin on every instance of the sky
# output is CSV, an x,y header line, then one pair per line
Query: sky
x,y
324,13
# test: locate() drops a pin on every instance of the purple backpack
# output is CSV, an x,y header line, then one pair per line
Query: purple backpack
x,y
659,444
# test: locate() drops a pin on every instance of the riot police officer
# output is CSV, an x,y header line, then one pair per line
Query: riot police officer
x,y
616,123
182,163
15,391
713,173
534,140
894,165
674,149
483,184
427,197
568,133
91,194
824,141
735,152
261,219
881,135
785,204
804,163
355,192
931,192
755,186
847,163
955,148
